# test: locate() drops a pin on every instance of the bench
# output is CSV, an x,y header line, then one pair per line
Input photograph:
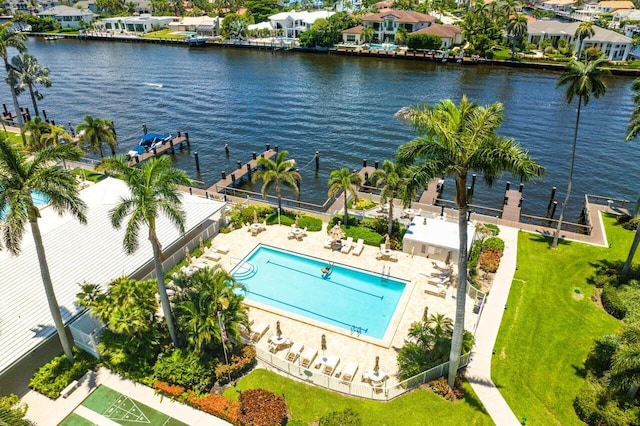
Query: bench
x,y
69,389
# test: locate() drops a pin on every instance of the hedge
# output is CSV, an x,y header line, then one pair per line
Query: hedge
x,y
238,365
612,302
493,243
57,374
259,407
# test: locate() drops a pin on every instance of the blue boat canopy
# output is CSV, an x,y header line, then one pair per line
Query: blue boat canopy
x,y
152,139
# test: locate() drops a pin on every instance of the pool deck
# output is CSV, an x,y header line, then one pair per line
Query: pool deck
x,y
349,348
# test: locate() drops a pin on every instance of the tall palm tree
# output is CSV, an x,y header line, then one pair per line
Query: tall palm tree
x,y
30,73
626,268
97,131
453,140
509,8
342,180
582,79
277,173
516,28
16,40
394,184
19,175
201,297
36,128
55,136
584,30
625,371
154,191
633,128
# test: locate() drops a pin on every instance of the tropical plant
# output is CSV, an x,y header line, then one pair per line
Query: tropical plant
x,y
582,80
19,176
517,29
205,298
97,131
394,184
584,30
342,180
625,371
36,128
154,191
452,140
29,73
16,40
278,173
55,136
12,411
368,33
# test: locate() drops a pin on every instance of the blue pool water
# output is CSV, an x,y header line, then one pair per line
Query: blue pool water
x,y
383,46
39,200
352,299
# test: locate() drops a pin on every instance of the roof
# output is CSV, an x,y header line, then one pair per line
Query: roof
x,y
438,233
304,16
197,20
75,253
617,4
261,26
442,31
66,11
354,30
560,2
402,16
569,29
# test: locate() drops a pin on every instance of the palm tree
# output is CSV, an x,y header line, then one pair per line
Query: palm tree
x,y
36,128
201,297
277,173
584,30
30,73
342,180
19,175
55,136
582,80
154,190
634,245
625,371
452,140
516,28
97,131
633,128
368,33
12,39
394,183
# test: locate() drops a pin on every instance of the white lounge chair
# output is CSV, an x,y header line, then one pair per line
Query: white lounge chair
x,y
346,247
328,243
258,331
349,372
357,249
330,365
294,352
211,255
307,357
220,249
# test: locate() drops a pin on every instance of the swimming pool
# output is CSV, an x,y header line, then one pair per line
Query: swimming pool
x,y
383,46
351,299
39,200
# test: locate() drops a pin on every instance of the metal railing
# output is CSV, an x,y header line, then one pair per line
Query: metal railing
x,y
354,387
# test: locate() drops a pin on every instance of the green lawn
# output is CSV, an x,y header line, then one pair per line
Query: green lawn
x,y
164,34
419,407
548,328
74,419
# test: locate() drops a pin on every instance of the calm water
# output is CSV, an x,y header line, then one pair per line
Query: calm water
x,y
340,106
346,297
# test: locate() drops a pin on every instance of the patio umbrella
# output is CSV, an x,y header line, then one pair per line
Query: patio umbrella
x,y
255,216
278,331
201,244
448,259
187,254
297,221
387,243
323,343
336,232
376,368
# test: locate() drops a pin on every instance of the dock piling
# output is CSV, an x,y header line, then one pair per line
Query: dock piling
x,y
364,162
226,149
254,155
521,187
239,163
506,200
44,113
275,148
173,149
186,138
144,128
317,160
224,175
375,164
553,195
155,150
508,186
553,209
268,147
72,130
195,154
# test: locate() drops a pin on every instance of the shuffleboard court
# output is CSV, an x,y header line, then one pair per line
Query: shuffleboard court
x,y
74,419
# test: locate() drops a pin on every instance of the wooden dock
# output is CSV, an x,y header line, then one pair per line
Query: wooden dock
x,y
431,192
239,173
171,146
512,205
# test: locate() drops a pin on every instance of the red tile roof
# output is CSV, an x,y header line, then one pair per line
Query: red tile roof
x,y
354,30
448,31
403,16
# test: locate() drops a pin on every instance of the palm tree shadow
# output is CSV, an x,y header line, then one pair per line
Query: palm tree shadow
x,y
579,371
46,330
547,238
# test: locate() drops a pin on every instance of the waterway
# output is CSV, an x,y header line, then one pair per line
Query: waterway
x,y
342,107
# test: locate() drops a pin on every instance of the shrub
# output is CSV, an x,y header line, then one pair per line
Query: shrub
x,y
631,224
612,303
369,236
217,405
494,228
12,411
604,277
238,365
288,218
54,376
119,355
424,41
347,417
489,260
594,407
599,358
259,407
173,391
493,243
440,386
363,204
241,214
353,221
185,368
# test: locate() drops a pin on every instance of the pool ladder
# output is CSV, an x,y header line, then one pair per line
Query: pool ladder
x,y
357,330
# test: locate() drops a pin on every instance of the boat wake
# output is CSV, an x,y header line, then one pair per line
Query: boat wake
x,y
154,84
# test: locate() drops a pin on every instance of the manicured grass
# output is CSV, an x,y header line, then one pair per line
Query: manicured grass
x,y
124,410
419,407
74,419
548,328
16,138
164,34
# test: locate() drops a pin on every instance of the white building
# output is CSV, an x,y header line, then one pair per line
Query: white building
x,y
616,47
293,23
387,22
436,239
201,25
69,17
136,24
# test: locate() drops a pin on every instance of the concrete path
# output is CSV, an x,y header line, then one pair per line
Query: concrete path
x,y
44,411
479,370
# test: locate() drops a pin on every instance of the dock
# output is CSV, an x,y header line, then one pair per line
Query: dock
x,y
241,172
171,146
432,192
512,205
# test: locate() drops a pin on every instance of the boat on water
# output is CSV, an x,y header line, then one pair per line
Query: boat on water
x,y
196,40
53,37
149,141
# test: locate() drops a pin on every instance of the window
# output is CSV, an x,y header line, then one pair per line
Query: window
x,y
423,249
351,37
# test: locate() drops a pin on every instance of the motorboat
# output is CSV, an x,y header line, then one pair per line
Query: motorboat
x,y
195,40
136,150
154,140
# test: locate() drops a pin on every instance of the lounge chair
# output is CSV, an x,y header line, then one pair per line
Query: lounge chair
x,y
346,247
330,365
220,249
291,235
211,255
329,243
307,357
258,331
357,249
275,347
349,372
294,352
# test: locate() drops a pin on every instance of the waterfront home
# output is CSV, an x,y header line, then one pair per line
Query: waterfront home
x,y
353,35
387,22
590,12
451,35
13,6
135,24
201,25
559,5
69,17
616,47
626,16
294,23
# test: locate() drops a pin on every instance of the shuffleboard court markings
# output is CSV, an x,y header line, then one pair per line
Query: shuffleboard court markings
x,y
124,408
